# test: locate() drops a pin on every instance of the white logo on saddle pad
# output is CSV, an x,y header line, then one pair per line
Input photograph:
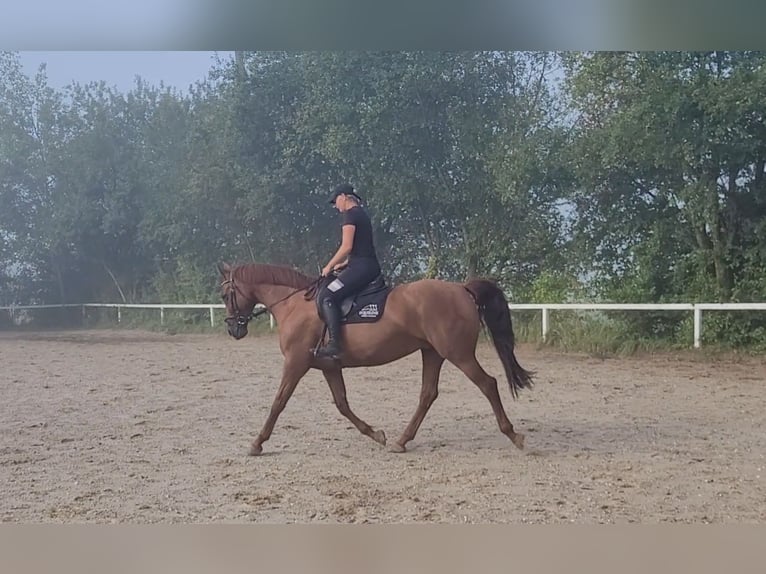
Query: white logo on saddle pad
x,y
370,310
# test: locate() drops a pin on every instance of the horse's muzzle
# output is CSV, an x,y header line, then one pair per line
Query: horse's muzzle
x,y
238,332
237,328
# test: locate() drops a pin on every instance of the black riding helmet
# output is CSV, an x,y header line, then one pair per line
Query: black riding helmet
x,y
344,189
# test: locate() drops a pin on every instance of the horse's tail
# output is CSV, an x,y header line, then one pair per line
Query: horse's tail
x,y
495,315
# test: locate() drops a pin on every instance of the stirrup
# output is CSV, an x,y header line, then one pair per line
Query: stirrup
x,y
328,352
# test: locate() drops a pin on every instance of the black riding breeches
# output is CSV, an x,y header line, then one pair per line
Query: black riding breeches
x,y
357,275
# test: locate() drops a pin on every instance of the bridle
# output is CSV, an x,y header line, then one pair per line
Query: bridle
x,y
240,319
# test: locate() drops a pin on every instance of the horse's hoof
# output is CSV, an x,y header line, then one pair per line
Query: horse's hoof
x,y
379,437
398,448
255,449
518,440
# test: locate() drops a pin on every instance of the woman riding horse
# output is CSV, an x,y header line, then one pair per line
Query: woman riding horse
x,y
356,258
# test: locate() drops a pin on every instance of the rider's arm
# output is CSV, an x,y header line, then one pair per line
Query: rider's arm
x,y
345,246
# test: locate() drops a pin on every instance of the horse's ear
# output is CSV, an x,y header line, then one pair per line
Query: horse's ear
x,y
224,268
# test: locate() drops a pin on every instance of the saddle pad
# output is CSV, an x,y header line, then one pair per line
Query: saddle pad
x,y
367,306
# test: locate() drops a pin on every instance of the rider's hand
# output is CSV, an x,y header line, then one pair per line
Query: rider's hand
x,y
326,271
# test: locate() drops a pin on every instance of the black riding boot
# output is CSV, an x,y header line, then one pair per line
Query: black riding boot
x,y
331,313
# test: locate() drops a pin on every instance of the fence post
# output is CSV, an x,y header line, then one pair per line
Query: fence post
x,y
212,320
271,321
697,327
162,315
119,313
545,324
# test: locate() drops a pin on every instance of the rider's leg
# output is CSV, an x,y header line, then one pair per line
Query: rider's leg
x,y
349,281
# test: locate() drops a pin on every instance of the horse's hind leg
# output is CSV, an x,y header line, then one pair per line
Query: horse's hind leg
x,y
432,364
488,385
338,388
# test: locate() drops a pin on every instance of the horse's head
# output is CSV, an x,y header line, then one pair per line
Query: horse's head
x,y
239,306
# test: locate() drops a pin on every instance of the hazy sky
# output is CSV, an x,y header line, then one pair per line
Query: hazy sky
x,y
178,69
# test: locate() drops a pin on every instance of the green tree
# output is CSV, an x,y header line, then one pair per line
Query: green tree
x,y
671,160
31,138
420,133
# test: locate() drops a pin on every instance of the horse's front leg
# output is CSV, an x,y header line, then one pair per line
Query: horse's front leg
x,y
292,372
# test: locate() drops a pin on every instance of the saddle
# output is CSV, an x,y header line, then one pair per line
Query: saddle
x,y
366,306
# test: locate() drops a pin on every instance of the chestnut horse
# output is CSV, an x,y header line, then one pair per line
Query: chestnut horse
x,y
440,319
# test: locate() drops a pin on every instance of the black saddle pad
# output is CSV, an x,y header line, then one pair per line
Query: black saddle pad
x,y
367,306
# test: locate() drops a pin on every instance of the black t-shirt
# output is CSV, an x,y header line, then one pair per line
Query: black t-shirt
x,y
363,242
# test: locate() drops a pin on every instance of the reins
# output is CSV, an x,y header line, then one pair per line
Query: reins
x,y
242,320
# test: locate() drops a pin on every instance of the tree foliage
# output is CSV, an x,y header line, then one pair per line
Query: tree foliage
x,y
616,176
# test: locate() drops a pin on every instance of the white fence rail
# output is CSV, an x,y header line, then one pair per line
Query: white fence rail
x,y
120,306
546,308
696,308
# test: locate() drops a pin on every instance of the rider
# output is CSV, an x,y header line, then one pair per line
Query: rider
x,y
356,256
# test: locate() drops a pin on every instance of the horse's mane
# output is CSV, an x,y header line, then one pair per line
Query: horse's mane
x,y
272,275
